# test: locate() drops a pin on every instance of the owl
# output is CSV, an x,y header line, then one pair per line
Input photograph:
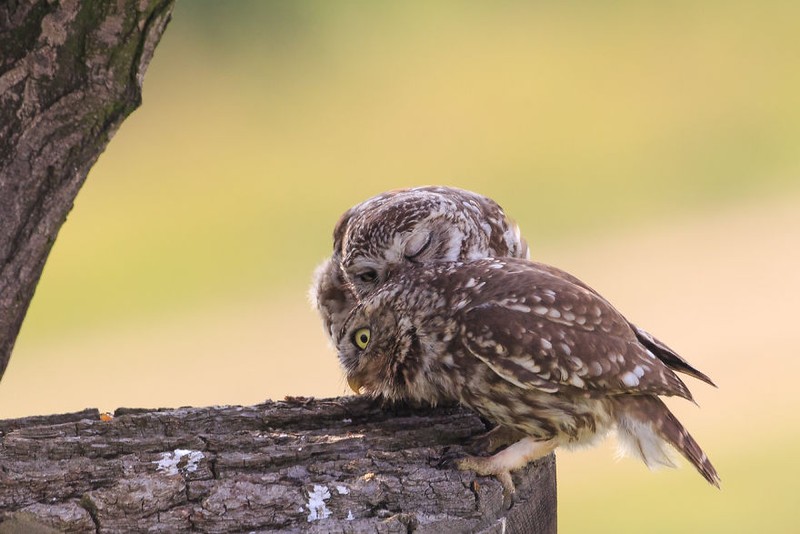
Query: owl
x,y
528,347
405,227
422,225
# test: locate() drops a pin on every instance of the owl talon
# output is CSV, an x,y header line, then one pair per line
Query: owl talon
x,y
449,459
483,466
509,490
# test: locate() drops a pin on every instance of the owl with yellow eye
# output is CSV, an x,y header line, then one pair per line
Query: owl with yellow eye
x,y
420,225
527,346
428,298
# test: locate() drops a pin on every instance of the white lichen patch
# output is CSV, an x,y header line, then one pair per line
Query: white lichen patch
x,y
342,490
173,462
317,509
350,515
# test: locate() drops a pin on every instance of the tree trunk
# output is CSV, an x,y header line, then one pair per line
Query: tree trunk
x,y
70,72
331,465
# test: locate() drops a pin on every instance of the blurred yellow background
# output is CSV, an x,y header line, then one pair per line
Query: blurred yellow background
x,y
652,150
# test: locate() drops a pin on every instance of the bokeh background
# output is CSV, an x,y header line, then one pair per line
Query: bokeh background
x,y
652,149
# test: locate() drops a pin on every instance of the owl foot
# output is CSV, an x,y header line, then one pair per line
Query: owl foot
x,y
479,464
501,464
494,439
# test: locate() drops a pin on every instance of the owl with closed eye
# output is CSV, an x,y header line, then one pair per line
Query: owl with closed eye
x,y
422,225
528,347
405,227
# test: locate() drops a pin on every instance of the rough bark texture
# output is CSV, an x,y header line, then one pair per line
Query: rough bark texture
x,y
70,72
332,465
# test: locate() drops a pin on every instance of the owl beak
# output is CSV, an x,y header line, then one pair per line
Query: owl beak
x,y
355,384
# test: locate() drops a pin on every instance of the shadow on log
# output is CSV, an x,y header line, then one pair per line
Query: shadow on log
x,y
329,465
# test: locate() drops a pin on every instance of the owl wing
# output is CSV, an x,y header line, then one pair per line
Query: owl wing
x,y
539,330
671,358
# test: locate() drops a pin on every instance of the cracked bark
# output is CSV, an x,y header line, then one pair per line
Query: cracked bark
x,y
70,72
330,465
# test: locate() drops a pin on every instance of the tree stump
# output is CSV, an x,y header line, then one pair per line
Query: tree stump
x,y
331,465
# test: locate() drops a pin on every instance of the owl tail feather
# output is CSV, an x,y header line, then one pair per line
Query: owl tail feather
x,y
645,427
671,358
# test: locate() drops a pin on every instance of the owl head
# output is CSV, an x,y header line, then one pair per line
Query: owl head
x,y
375,348
385,346
420,225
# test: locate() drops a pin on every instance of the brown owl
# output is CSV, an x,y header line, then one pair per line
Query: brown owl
x,y
405,227
423,225
528,347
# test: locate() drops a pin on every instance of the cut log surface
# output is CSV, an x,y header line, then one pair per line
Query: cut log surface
x,y
300,465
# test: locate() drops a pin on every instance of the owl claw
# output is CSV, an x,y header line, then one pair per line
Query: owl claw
x,y
501,464
483,466
509,491
449,459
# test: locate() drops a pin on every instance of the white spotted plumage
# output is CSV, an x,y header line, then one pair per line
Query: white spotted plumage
x,y
558,381
455,314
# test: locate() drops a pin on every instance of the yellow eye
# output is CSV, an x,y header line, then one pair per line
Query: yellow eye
x,y
361,338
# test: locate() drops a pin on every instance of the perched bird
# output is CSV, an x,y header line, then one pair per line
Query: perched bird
x,y
423,225
407,226
527,346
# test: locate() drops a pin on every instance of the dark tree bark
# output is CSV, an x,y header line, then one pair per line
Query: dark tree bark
x,y
332,465
70,72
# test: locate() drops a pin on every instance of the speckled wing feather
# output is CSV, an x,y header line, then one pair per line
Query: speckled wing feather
x,y
671,358
549,333
528,347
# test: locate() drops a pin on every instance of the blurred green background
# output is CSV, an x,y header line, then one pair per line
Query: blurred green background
x,y
651,149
